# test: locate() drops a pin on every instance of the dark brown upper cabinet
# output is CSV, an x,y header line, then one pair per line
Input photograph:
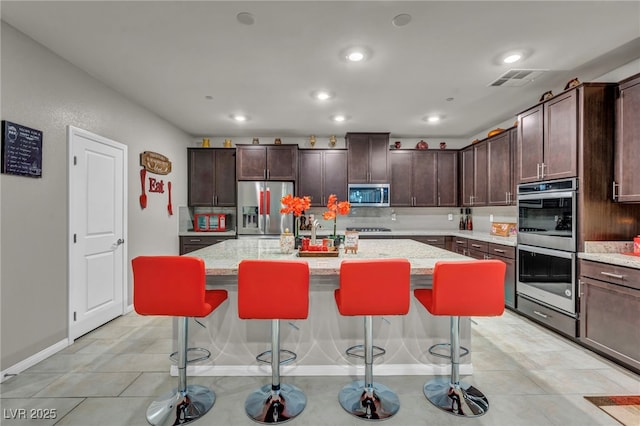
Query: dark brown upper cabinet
x,y
322,173
627,151
473,181
367,157
267,162
423,178
212,177
500,171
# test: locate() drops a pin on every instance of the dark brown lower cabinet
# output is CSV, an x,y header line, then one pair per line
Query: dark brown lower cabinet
x,y
189,244
609,311
435,240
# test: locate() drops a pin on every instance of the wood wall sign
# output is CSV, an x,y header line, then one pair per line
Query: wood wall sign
x,y
155,163
21,150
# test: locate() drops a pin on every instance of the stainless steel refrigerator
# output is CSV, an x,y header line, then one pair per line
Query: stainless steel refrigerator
x,y
259,208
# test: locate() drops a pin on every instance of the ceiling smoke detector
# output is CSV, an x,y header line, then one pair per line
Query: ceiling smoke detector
x,y
517,77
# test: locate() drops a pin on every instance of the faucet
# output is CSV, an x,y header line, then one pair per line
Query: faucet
x,y
314,226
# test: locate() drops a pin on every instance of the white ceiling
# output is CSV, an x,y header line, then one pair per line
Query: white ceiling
x,y
169,55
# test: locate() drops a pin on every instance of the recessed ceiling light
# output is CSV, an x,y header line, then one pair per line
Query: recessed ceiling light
x,y
240,117
432,118
245,18
339,118
322,95
356,54
511,58
401,20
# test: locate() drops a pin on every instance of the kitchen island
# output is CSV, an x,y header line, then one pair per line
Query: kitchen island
x,y
321,339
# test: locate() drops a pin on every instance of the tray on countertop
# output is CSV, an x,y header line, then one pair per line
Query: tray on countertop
x,y
333,253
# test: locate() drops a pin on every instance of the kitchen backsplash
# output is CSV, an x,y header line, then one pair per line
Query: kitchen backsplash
x,y
394,218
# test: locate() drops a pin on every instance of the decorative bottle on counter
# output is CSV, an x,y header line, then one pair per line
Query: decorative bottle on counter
x,y
469,221
463,223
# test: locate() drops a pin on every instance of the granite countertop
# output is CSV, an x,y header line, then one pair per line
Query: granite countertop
x,y
474,235
611,252
223,258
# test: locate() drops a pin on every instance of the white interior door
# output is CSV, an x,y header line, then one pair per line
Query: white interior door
x,y
97,227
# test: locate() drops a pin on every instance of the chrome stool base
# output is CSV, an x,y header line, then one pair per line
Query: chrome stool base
x,y
433,350
377,402
462,399
177,408
266,406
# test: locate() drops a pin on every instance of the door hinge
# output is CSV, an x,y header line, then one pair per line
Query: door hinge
x,y
75,160
74,316
75,240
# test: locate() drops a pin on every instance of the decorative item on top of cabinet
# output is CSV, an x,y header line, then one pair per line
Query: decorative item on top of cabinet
x,y
332,141
267,162
367,157
626,187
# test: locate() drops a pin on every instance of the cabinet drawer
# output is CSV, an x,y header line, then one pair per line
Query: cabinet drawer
x,y
476,254
438,241
555,320
480,246
615,274
459,242
502,250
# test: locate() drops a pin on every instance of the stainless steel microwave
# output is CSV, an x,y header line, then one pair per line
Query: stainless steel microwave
x,y
369,194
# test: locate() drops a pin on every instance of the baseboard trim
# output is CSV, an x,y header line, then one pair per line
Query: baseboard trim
x,y
323,370
18,368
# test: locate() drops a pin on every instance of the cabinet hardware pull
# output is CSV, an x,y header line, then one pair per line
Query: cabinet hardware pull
x,y
609,274
540,314
438,200
542,169
498,250
614,195
194,240
432,241
538,171
476,245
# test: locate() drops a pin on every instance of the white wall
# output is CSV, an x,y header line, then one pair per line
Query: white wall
x,y
45,92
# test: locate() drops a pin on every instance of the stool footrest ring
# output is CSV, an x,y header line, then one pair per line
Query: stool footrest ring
x,y
432,350
206,355
355,351
265,357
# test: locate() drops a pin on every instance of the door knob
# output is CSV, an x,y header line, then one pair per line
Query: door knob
x,y
120,241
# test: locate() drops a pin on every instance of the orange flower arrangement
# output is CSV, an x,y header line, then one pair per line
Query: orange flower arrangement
x,y
336,208
295,205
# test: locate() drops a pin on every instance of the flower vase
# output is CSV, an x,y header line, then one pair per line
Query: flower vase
x,y
287,242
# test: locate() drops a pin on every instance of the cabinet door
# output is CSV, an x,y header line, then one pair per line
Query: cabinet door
x,y
480,163
310,179
530,144
499,170
225,177
201,177
334,172
378,166
447,178
628,141
466,182
425,178
401,175
282,162
358,157
561,137
251,162
609,319
513,143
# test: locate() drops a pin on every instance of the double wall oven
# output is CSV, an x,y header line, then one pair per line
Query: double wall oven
x,y
546,251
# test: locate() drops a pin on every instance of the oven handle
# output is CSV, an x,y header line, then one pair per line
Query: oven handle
x,y
546,195
549,252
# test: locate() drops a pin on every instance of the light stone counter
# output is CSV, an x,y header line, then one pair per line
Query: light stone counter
x,y
611,252
321,339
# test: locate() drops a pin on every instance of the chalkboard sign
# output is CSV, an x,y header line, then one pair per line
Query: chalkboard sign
x,y
21,150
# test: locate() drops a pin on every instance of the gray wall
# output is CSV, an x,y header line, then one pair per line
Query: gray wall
x,y
45,92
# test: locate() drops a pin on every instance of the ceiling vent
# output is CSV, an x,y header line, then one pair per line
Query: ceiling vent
x,y
516,78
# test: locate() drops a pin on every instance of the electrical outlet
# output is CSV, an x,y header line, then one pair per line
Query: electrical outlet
x,y
450,217
490,218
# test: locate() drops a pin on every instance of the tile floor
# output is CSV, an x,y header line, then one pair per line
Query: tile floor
x,y
109,376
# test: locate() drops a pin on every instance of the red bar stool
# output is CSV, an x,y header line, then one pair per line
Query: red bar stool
x,y
175,286
367,288
274,290
467,288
